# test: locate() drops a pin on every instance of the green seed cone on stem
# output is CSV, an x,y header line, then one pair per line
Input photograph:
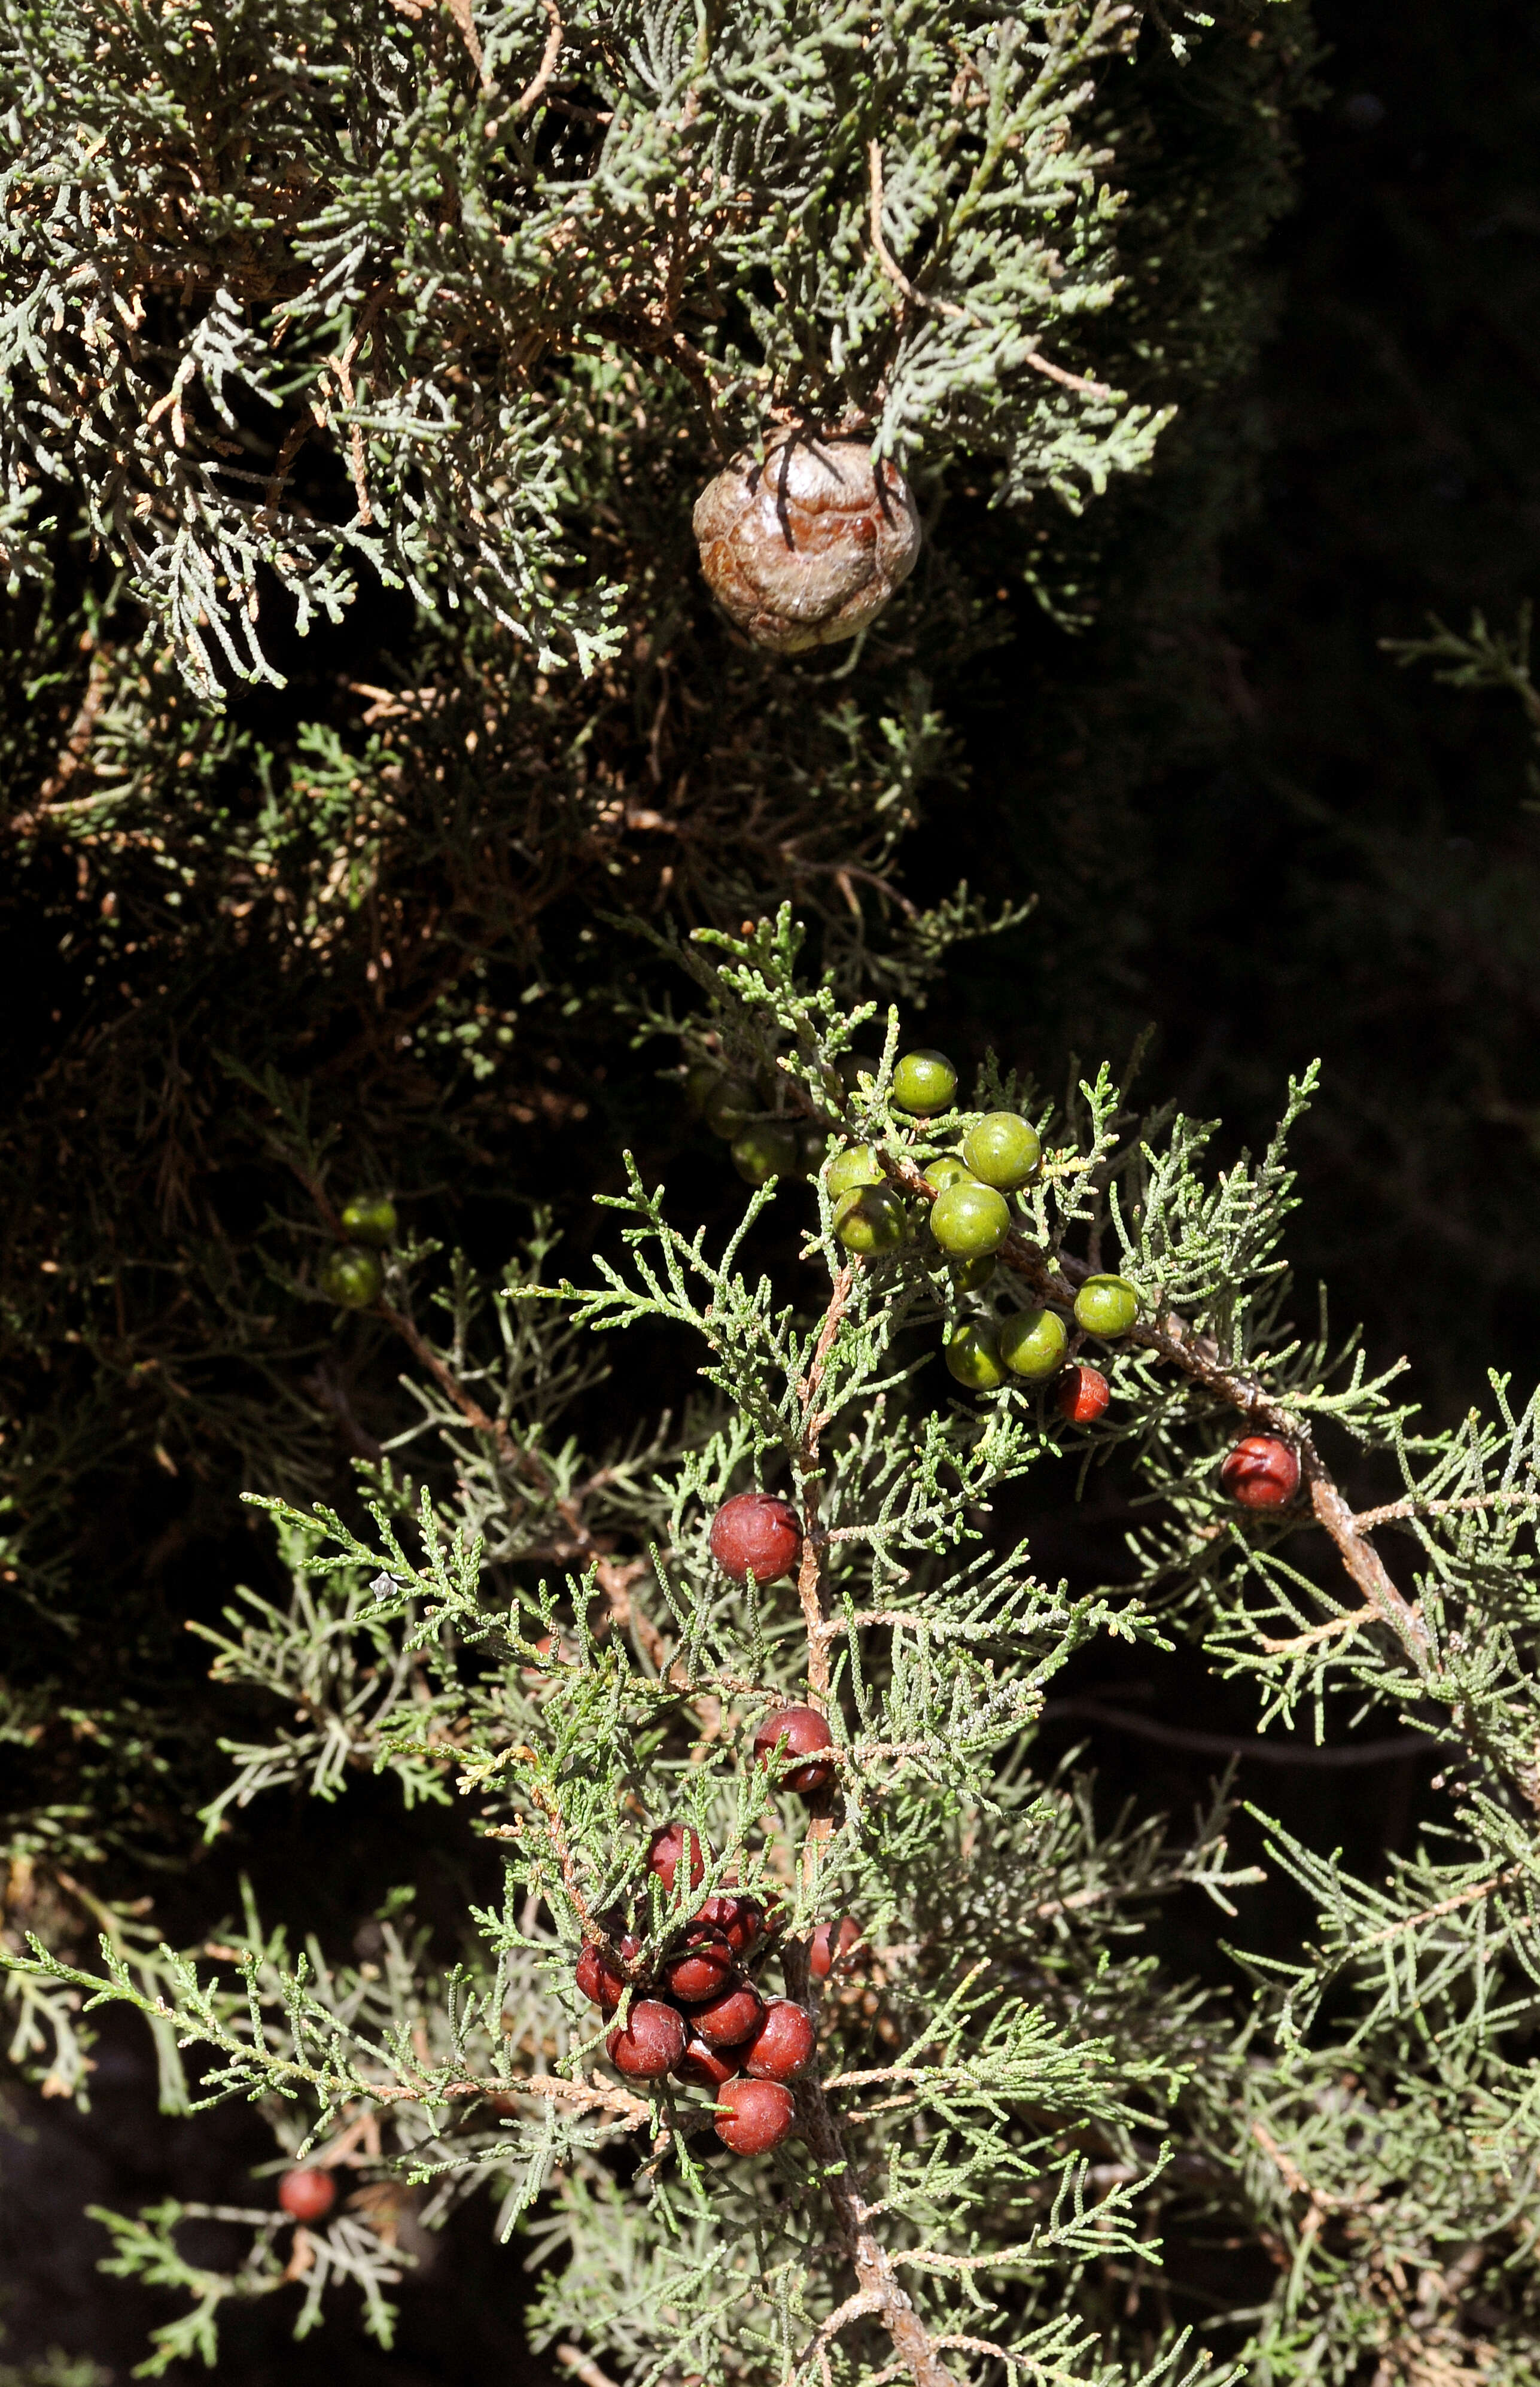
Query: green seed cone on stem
x,y
370,1219
1106,1305
729,1106
1032,1344
972,1354
923,1083
1002,1150
765,1148
351,1276
969,1220
869,1219
857,1165
948,1170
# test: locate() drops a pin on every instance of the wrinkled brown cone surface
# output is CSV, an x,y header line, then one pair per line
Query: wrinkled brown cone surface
x,y
802,547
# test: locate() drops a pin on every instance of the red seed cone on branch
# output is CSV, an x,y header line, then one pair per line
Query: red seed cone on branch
x,y
1261,1472
803,546
308,2193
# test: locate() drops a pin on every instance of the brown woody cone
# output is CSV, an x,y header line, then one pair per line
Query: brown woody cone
x,y
802,547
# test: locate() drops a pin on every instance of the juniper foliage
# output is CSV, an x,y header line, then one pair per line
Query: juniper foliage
x,y
1025,2127
409,240
385,896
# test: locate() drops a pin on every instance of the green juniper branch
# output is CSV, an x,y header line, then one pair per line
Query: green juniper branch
x,y
1007,2095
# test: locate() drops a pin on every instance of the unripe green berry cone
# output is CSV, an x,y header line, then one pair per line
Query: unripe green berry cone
x,y
852,1066
729,1106
702,1080
923,1083
869,1219
969,1220
1002,1150
972,1276
1033,1344
766,1148
351,1277
370,1219
1106,1305
858,1165
973,1356
947,1170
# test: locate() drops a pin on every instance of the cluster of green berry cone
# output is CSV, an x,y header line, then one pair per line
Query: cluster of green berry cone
x,y
353,1274
970,1219
967,1210
763,1143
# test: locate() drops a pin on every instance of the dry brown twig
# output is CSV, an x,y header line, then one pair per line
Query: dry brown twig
x,y
535,89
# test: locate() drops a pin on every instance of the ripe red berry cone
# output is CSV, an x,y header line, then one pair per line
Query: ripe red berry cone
x,y
700,1971
599,1980
651,2043
738,1920
1261,1472
802,547
667,1846
827,1949
756,1530
707,2067
797,1731
307,2194
1082,1395
783,2043
727,2020
753,2116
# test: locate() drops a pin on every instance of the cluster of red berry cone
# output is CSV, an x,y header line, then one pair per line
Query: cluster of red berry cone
x,y
702,2018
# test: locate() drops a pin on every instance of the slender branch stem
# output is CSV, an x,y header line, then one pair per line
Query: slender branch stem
x,y
805,1469
533,89
877,2279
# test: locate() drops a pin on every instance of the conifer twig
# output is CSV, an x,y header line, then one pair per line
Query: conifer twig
x,y
583,2367
1198,1357
541,79
805,1469
614,1581
880,2290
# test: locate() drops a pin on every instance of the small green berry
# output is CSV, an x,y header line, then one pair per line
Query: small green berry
x,y
1032,1343
1002,1150
857,1165
766,1148
729,1106
972,1276
969,1220
948,1170
869,1219
370,1219
923,1083
1106,1305
351,1276
701,1082
973,1356
852,1066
